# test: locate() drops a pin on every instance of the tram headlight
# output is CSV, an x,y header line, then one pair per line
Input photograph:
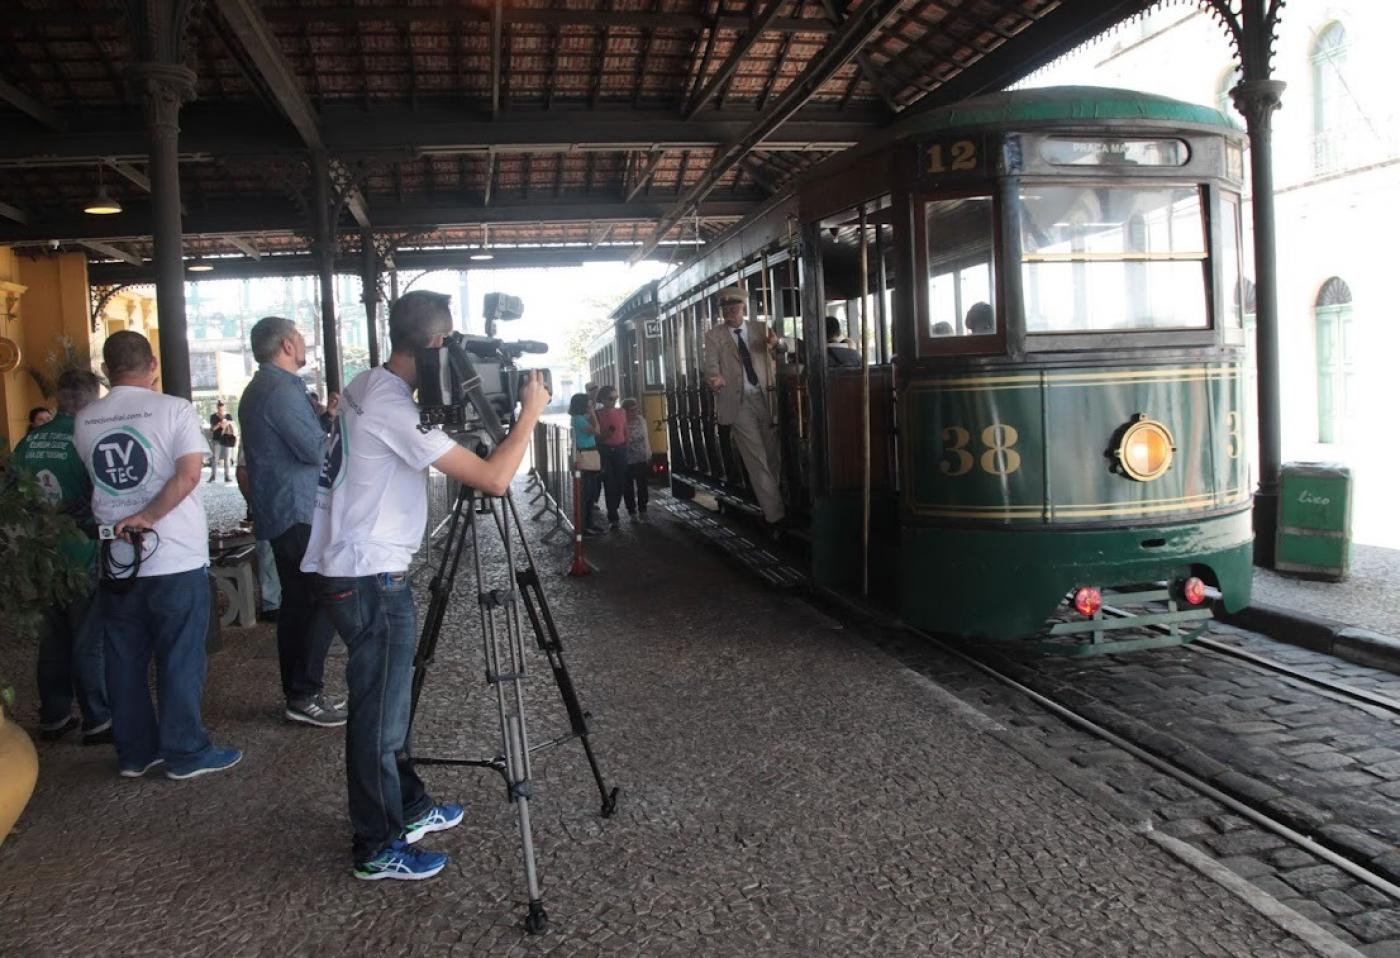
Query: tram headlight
x,y
1146,449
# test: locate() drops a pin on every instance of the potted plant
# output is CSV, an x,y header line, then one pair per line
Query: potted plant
x,y
34,575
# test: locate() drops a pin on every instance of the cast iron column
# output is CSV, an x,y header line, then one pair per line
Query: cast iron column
x,y
325,255
1257,97
163,87
369,282
1257,100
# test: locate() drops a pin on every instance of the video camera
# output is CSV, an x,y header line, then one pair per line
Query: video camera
x,y
470,384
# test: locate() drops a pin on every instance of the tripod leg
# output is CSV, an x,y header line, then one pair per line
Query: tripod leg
x,y
506,667
547,636
441,590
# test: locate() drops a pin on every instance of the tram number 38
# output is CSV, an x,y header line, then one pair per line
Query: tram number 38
x,y
998,457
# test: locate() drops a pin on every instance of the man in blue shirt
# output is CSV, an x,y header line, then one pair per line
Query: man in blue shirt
x,y
284,442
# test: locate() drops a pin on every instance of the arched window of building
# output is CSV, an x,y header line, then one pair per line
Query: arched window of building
x,y
1335,361
1332,104
1229,79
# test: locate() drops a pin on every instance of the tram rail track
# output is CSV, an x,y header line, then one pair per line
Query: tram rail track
x,y
1251,813
1224,649
1376,699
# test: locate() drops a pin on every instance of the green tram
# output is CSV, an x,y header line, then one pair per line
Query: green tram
x,y
1044,439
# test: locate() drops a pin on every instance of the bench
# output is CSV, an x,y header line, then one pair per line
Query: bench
x,y
232,571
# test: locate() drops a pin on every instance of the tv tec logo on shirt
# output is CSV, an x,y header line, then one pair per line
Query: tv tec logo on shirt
x,y
121,461
333,465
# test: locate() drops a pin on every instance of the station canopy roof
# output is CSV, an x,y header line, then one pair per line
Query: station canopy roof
x,y
547,132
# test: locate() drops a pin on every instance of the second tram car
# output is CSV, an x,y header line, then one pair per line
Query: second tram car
x,y
1046,436
628,356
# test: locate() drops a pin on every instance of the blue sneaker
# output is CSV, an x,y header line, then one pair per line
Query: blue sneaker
x,y
439,818
133,770
217,759
400,862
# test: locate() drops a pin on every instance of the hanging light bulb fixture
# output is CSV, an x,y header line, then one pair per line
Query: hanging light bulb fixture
x,y
102,204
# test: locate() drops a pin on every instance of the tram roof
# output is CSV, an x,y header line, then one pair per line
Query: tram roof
x,y
1087,108
550,132
1061,106
643,300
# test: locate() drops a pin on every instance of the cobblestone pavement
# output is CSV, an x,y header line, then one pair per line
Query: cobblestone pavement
x,y
1367,598
788,788
1231,761
1278,744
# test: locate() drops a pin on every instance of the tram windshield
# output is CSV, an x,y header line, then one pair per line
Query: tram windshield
x,y
960,236
1100,258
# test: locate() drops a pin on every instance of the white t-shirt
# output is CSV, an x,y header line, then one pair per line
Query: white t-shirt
x,y
371,505
130,440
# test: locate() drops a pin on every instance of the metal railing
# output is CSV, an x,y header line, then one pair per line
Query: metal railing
x,y
550,482
549,492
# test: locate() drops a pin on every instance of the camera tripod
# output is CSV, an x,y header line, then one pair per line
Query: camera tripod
x,y
503,646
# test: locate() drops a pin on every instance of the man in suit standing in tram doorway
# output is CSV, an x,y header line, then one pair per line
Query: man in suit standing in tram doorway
x,y
739,370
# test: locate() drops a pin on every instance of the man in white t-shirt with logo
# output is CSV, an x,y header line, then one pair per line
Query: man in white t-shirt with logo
x,y
145,453
370,512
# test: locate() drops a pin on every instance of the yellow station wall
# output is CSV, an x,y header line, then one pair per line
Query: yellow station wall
x,y
44,300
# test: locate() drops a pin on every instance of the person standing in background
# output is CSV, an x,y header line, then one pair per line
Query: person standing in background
x,y
145,452
636,490
38,416
70,639
612,447
221,430
286,443
584,423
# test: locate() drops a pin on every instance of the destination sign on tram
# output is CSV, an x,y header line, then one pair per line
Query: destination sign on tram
x,y
1083,151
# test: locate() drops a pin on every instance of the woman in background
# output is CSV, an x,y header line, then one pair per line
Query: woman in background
x,y
612,446
635,492
585,429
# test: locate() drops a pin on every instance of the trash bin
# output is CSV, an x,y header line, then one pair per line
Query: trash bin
x,y
1314,522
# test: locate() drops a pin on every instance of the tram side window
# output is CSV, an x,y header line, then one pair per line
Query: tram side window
x,y
959,243
858,295
1231,277
653,369
1113,258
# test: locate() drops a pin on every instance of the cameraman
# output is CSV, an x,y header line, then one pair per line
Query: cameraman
x,y
370,512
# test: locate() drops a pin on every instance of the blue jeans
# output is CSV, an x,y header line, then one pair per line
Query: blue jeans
x,y
70,660
374,614
592,483
614,476
269,585
168,616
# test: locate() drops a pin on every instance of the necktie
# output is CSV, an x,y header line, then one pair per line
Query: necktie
x,y
749,372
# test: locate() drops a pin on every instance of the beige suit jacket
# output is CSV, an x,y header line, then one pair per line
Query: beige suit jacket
x,y
722,358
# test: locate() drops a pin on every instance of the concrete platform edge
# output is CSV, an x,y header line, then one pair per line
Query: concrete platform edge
x,y
1319,634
